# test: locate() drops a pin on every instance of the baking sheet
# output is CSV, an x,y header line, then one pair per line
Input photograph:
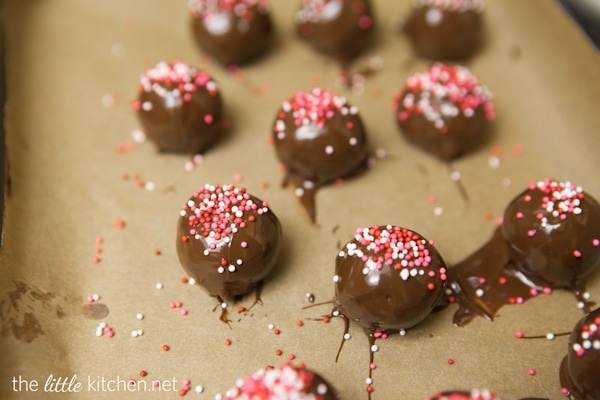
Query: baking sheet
x,y
77,174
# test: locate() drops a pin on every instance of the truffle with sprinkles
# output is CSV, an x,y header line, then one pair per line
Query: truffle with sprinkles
x,y
283,382
475,394
549,238
580,369
445,29
232,31
179,107
444,110
341,29
319,137
388,278
227,240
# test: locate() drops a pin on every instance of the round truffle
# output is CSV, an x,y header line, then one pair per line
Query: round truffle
x,y
445,29
318,137
340,29
179,107
232,31
283,382
552,230
227,240
388,278
444,110
475,394
580,369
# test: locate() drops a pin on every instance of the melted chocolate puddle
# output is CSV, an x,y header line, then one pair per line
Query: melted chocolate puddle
x,y
224,316
25,325
487,280
95,310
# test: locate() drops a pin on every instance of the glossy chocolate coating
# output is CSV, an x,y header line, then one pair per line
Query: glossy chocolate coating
x,y
340,29
552,230
318,137
230,246
580,369
283,382
180,108
388,278
440,32
444,111
531,253
233,32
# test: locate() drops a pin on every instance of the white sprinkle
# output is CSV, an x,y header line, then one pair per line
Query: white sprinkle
x,y
505,182
494,162
223,305
322,389
455,176
402,332
336,313
134,333
231,268
329,149
99,332
353,141
199,389
146,106
158,286
191,281
336,278
438,211
299,192
150,186
102,325
139,316
374,348
368,381
550,336
586,295
95,297
118,49
138,135
108,100
140,332
479,292
346,336
581,305
271,326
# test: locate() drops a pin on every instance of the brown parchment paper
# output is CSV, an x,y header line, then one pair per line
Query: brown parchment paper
x,y
73,68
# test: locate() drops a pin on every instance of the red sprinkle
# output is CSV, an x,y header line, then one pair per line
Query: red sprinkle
x,y
165,347
143,373
227,342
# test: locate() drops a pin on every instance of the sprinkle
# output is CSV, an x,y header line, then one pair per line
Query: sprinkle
x,y
227,342
300,322
519,334
165,347
199,389
139,316
158,286
374,348
531,371
119,224
143,373
450,361
278,352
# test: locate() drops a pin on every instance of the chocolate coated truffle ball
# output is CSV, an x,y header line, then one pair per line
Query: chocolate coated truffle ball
x,y
284,382
552,231
340,29
388,278
232,31
445,29
318,137
444,110
179,107
580,369
475,394
227,240
549,238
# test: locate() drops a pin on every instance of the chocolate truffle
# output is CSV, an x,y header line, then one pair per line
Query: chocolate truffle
x,y
445,29
227,240
179,107
340,29
284,382
580,369
319,137
388,278
549,238
475,394
444,110
232,31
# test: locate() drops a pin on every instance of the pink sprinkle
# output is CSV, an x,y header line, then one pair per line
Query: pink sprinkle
x,y
577,253
244,244
110,333
520,300
533,292
95,259
531,371
208,119
519,334
183,312
365,22
372,366
596,242
531,233
119,224
547,290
